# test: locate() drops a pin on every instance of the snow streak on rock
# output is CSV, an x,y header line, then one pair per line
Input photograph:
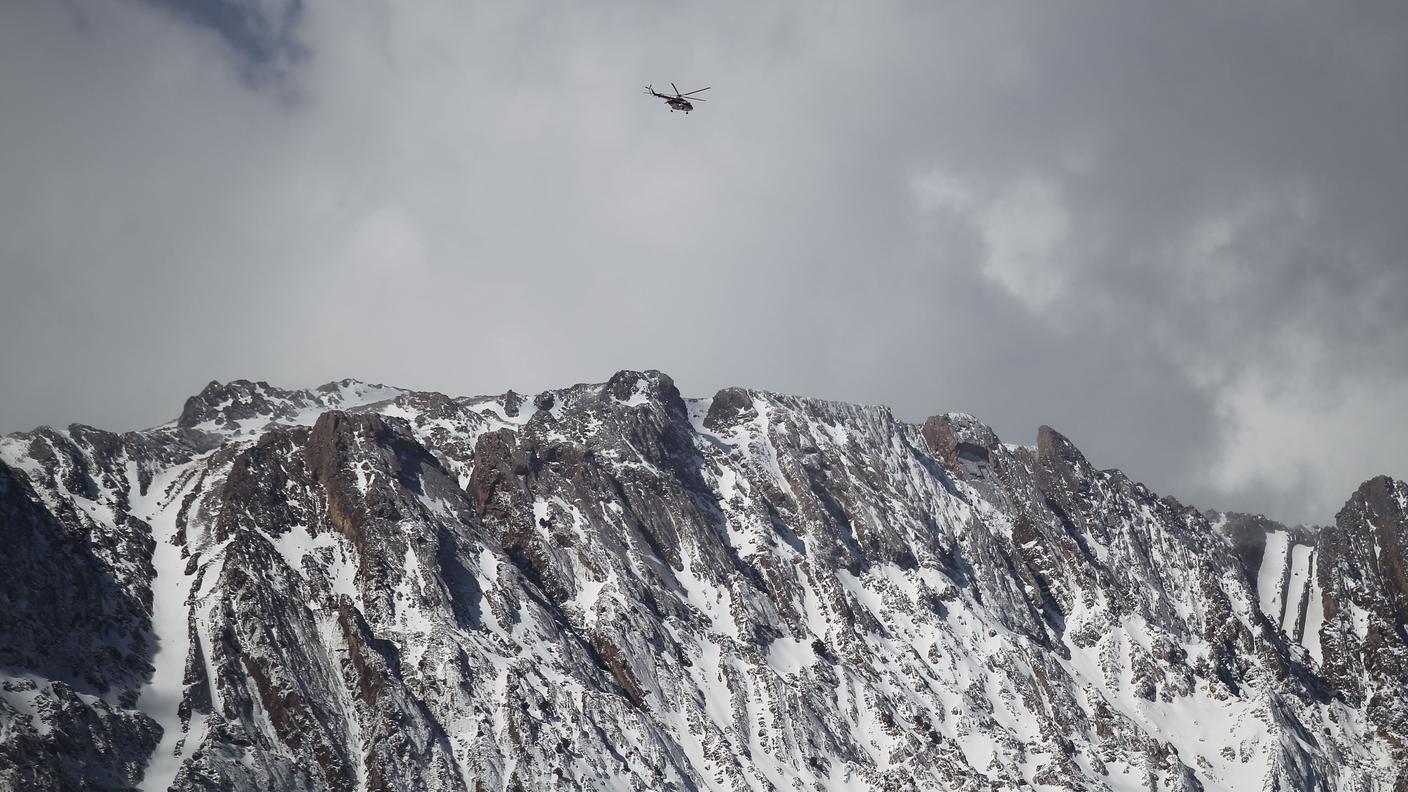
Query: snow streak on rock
x,y
614,587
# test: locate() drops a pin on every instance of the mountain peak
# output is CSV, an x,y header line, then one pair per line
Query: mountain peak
x,y
248,406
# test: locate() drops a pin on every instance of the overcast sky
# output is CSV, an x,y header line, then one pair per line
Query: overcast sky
x,y
1177,233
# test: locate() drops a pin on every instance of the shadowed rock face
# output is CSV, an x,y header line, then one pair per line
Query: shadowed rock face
x,y
70,633
1362,575
615,586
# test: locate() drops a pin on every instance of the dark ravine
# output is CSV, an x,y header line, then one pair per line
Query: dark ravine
x,y
612,586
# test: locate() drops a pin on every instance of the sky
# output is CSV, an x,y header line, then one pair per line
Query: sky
x,y
1177,233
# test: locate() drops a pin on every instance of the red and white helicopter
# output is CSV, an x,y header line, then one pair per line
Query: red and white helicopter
x,y
678,101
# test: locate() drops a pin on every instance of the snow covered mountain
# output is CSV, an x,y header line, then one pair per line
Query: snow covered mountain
x,y
614,587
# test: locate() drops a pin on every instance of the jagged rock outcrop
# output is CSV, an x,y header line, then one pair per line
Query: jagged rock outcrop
x,y
614,586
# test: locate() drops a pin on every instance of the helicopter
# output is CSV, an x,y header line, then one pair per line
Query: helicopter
x,y
678,101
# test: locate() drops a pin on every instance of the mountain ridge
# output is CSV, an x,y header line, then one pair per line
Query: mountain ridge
x,y
613,586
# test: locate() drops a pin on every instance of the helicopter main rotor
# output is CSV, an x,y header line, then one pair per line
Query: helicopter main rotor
x,y
691,93
650,89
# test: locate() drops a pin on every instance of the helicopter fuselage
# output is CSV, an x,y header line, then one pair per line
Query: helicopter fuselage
x,y
679,104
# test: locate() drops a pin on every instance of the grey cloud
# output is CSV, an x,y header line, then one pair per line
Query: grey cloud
x,y
1147,227
264,36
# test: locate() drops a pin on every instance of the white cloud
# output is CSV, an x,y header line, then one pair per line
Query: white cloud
x,y
1327,449
1024,228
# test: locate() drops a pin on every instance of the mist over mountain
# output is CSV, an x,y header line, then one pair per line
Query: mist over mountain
x,y
613,586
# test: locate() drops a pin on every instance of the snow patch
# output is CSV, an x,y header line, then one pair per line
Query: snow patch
x,y
1272,574
787,655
